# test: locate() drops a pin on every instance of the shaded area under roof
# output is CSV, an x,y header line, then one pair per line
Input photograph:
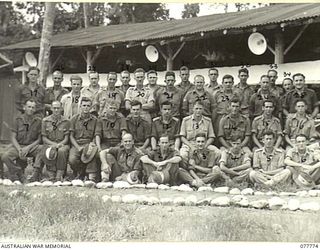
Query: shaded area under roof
x,y
124,33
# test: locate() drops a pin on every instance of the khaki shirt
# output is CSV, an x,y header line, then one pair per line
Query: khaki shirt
x,y
246,93
172,129
309,157
127,161
24,93
83,129
50,94
175,97
233,127
260,124
27,131
55,130
140,129
190,128
212,89
256,103
268,162
232,160
143,95
192,96
295,126
221,101
185,88
105,96
157,156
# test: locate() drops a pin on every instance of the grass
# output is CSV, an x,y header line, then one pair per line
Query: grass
x,y
67,217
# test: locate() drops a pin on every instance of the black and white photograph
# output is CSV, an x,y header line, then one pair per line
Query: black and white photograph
x,y
159,122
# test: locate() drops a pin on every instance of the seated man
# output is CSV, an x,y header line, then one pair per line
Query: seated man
x,y
268,163
235,163
138,126
191,126
234,125
110,127
82,133
303,160
161,165
119,162
202,167
265,122
166,124
299,123
25,140
55,133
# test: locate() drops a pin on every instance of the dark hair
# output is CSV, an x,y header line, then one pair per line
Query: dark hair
x,y
112,73
164,135
125,71
264,76
268,132
300,100
272,70
235,138
227,77
33,68
184,68
243,70
57,71
113,103
298,74
201,134
199,102
75,77
138,70
30,100
287,78
215,69
165,103
301,135
170,73
85,99
152,72
136,103
235,99
268,100
93,72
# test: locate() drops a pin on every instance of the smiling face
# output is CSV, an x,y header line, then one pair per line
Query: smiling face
x,y
234,108
268,141
199,83
139,77
57,78
301,143
243,77
287,85
164,143
76,85
112,79
197,110
56,108
135,111
127,141
200,142
298,82
268,108
30,108
227,84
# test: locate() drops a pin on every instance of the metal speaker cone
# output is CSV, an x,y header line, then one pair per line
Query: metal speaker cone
x,y
31,59
257,43
152,53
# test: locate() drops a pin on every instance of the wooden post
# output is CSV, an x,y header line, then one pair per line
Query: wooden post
x,y
279,48
24,73
169,57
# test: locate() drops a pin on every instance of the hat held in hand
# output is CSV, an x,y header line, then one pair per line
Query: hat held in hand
x,y
89,152
50,155
304,180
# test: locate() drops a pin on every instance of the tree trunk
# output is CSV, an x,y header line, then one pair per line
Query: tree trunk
x,y
87,25
45,44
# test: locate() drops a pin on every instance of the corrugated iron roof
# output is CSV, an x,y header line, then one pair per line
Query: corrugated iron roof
x,y
124,33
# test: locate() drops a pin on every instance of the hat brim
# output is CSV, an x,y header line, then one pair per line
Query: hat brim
x,y
86,159
45,159
304,180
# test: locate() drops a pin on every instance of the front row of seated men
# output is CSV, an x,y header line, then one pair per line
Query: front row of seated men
x,y
105,149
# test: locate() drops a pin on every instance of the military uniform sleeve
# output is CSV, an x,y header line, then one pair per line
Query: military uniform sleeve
x,y
254,129
221,127
256,161
248,127
183,129
289,154
246,158
313,132
224,156
98,130
43,128
123,124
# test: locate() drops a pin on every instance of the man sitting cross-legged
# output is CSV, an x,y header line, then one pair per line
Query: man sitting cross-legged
x,y
268,163
202,167
303,162
235,162
119,163
161,165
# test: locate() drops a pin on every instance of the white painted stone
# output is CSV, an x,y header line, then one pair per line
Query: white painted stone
x,y
293,204
223,201
143,199
271,193
247,191
302,193
174,187
57,183
7,182
104,185
259,193
204,202
235,191
121,185
310,206
163,187
130,198
314,193
47,184
223,190
152,186
106,198
276,203
166,201
89,184
191,200
1,181
287,194
139,186
77,183
239,200
151,200
259,204
179,201
202,189
18,183
116,198
244,202
185,188
66,183
33,184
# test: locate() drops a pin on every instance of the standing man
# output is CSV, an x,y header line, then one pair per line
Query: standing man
x,y
140,93
268,163
117,163
299,123
213,86
125,80
31,90
138,126
110,127
221,100
55,132
56,92
198,93
299,92
170,93
25,140
264,93
203,165
185,85
152,77
245,90
265,122
108,94
277,91
71,101
234,125
161,165
166,124
82,133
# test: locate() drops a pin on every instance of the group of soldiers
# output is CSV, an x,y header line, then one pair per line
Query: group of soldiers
x,y
192,133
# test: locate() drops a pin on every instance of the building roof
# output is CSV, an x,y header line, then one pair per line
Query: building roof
x,y
159,30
